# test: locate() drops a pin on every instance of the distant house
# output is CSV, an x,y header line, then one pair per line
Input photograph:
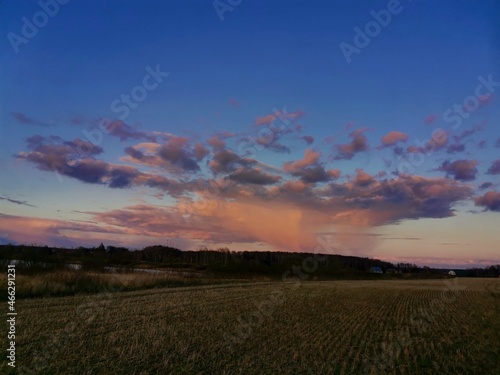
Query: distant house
x,y
376,270
391,270
452,273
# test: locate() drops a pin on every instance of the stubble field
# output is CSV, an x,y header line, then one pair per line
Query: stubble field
x,y
338,327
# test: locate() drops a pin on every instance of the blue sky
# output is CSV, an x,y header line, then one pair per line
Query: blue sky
x,y
269,88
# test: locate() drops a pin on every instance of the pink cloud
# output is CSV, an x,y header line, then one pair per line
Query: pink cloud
x,y
462,170
26,230
430,119
490,201
310,158
278,115
394,137
359,143
363,178
233,102
216,142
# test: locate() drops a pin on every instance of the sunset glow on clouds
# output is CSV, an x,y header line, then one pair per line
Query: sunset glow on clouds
x,y
250,155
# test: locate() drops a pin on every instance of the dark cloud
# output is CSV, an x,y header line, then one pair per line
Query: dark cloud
x,y
177,153
223,160
64,159
490,201
468,132
485,185
90,171
309,139
54,154
310,169
226,161
99,172
273,144
178,157
455,148
122,176
55,145
359,143
170,186
123,131
36,141
270,138
461,170
83,148
313,174
495,167
135,153
253,176
398,150
53,158
21,203
23,119
372,202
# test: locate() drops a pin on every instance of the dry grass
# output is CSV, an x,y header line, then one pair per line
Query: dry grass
x,y
338,327
71,282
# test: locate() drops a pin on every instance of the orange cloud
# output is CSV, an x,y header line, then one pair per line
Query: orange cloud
x,y
394,137
430,119
282,115
29,230
310,158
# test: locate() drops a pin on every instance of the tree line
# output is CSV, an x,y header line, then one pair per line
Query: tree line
x,y
218,261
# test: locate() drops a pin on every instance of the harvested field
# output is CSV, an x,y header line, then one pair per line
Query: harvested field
x,y
338,327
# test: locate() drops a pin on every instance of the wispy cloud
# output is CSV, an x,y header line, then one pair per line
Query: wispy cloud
x,y
15,201
23,119
281,115
430,119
